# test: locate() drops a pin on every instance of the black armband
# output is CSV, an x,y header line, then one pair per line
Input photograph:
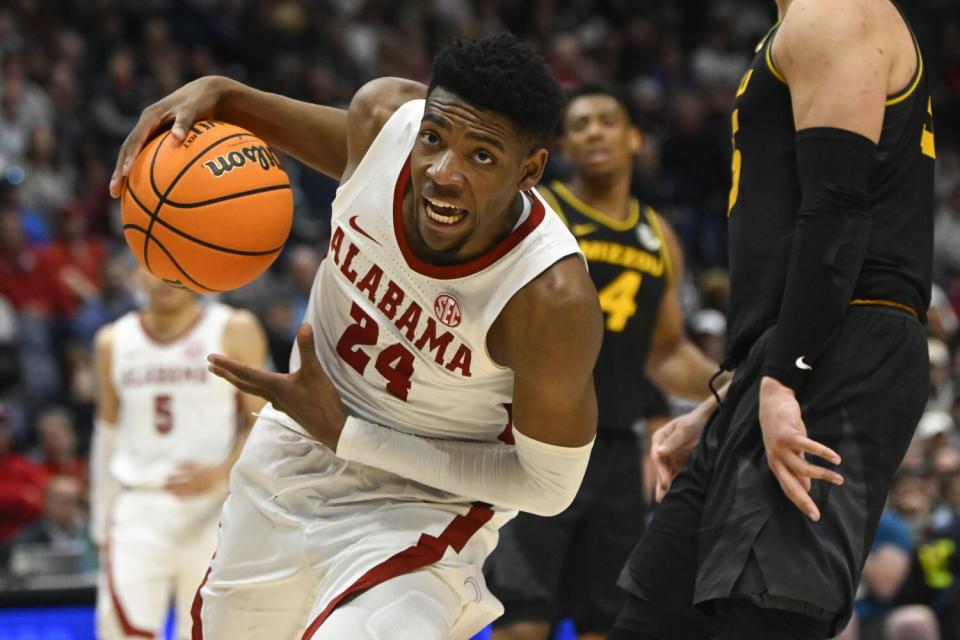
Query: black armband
x,y
829,244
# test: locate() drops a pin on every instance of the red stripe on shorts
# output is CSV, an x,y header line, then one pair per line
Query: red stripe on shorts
x,y
197,625
128,629
427,551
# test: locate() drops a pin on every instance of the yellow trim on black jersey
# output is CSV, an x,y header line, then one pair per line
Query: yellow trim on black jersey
x,y
771,64
885,303
551,200
900,96
609,221
654,220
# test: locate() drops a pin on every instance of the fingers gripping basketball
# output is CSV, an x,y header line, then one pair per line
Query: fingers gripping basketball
x,y
210,214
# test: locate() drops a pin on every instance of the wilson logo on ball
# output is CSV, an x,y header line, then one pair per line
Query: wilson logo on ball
x,y
236,159
447,309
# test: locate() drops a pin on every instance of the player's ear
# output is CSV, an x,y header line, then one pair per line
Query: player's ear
x,y
533,166
635,140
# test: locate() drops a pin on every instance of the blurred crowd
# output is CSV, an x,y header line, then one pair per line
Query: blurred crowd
x,y
75,74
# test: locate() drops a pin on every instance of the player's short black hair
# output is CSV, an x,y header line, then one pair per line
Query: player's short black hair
x,y
603,89
500,73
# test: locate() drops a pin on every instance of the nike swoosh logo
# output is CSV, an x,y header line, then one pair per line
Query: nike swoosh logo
x,y
803,365
356,227
583,229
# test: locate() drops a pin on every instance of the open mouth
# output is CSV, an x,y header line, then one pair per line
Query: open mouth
x,y
443,212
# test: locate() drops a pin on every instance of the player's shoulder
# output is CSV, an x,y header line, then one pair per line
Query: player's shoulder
x,y
240,321
563,294
825,23
377,100
103,339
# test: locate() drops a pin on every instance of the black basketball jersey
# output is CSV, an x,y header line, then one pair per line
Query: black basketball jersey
x,y
765,198
630,267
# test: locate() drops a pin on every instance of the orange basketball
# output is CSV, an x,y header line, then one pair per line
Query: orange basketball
x,y
210,214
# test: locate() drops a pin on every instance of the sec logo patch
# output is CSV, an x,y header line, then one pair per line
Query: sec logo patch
x,y
447,310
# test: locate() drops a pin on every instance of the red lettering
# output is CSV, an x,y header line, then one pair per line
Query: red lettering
x,y
335,244
352,252
461,360
391,300
364,331
370,282
430,336
410,319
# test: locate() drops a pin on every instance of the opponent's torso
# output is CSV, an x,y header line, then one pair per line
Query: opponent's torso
x,y
172,409
765,197
630,267
403,341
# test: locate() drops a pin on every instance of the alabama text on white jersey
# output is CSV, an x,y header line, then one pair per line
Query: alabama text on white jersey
x,y
172,409
404,341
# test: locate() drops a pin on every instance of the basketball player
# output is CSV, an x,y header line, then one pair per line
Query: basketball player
x,y
567,566
442,380
167,432
767,526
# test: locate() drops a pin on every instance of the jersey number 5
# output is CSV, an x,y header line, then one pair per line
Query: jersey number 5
x,y
395,362
163,414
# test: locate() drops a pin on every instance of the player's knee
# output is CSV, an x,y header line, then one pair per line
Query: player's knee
x,y
914,622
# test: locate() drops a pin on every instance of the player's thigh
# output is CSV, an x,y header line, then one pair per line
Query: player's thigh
x,y
193,559
134,590
414,606
259,584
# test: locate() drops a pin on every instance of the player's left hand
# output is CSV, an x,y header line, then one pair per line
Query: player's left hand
x,y
786,442
306,395
191,479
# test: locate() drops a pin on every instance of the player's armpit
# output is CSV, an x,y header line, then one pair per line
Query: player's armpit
x,y
836,59
549,334
371,107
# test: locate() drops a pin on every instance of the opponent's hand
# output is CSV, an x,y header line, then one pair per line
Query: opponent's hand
x,y
194,101
191,478
671,446
786,442
306,395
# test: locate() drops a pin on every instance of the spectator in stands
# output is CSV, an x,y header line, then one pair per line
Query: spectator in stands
x,y
49,182
946,237
23,108
115,298
21,485
56,542
57,447
76,259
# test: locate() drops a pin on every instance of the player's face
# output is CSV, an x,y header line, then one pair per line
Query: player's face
x,y
466,168
161,296
598,138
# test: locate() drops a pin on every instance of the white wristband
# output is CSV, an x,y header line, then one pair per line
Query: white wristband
x,y
531,476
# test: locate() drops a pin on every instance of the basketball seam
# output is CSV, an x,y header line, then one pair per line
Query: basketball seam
x,y
173,183
137,227
203,243
241,194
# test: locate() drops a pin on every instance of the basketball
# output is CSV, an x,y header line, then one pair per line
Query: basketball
x,y
210,214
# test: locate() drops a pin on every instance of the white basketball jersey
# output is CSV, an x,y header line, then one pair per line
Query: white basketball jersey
x,y
404,341
172,409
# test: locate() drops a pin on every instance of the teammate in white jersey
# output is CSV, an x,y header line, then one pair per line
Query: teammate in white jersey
x,y
167,433
442,380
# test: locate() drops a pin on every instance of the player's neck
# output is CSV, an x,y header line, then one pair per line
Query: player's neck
x,y
167,325
611,196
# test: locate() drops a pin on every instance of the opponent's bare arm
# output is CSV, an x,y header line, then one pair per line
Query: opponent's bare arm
x,y
244,341
840,62
316,135
108,403
549,334
674,363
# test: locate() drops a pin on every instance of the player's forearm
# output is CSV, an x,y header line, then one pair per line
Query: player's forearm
x,y
529,476
103,486
683,372
313,134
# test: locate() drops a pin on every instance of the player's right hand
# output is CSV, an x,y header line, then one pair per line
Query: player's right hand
x,y
671,446
194,101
